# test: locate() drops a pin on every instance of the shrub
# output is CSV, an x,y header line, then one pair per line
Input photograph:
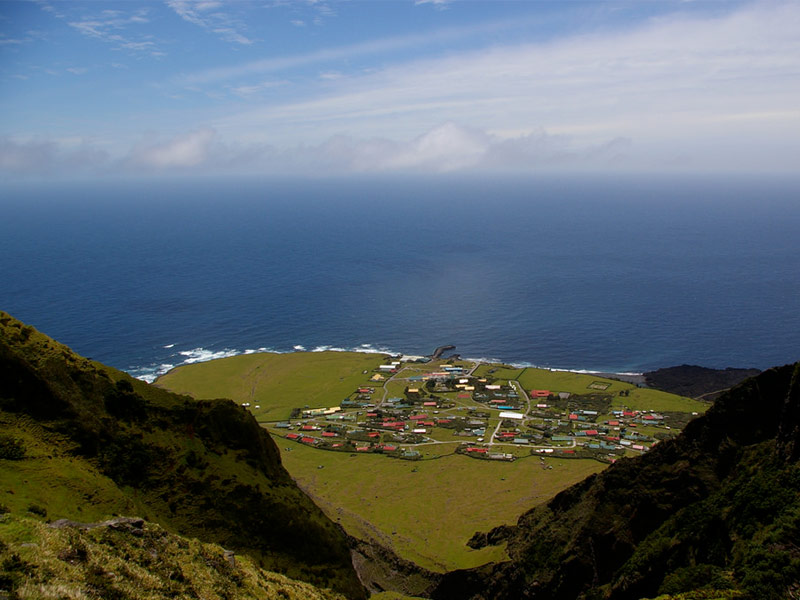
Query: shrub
x,y
11,448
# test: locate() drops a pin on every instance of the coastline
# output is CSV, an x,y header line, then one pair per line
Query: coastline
x,y
178,358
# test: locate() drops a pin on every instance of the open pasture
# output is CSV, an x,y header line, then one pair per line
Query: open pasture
x,y
427,510
277,383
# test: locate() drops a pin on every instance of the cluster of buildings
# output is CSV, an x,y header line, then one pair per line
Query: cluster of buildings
x,y
448,399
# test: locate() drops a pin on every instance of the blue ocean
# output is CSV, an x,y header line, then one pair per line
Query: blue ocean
x,y
596,273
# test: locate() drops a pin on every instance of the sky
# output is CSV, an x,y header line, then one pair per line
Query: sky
x,y
127,88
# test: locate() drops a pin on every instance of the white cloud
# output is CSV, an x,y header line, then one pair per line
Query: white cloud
x,y
439,4
186,150
111,26
722,90
78,70
46,156
221,23
245,91
342,53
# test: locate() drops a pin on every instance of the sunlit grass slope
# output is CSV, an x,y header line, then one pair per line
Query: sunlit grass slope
x,y
276,382
40,562
427,510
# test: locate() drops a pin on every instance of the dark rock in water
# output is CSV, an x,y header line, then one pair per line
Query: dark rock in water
x,y
697,382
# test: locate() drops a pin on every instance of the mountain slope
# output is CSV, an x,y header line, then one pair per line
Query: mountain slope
x,y
95,442
129,559
717,507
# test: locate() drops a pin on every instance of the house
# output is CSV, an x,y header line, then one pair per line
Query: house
x,y
540,393
512,415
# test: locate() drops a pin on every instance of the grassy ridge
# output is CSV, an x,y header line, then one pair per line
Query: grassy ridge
x,y
96,442
136,563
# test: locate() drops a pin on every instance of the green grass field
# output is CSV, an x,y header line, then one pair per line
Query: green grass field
x,y
578,383
276,382
52,480
427,510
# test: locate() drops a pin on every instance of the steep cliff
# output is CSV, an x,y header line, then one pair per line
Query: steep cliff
x,y
82,441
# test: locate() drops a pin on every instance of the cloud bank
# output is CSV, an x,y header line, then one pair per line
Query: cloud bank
x,y
447,148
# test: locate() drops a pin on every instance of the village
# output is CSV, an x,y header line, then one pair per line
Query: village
x,y
409,406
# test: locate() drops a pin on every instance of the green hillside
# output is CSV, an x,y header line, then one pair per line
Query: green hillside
x,y
130,560
714,513
85,442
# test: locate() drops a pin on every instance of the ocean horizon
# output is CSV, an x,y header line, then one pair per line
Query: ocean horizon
x,y
592,273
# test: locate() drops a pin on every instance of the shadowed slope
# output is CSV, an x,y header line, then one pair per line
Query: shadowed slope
x,y
202,469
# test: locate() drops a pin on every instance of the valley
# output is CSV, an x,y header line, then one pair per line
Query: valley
x,y
416,456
